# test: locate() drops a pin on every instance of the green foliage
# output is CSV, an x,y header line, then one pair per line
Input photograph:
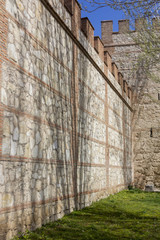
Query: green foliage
x,y
133,8
147,35
131,214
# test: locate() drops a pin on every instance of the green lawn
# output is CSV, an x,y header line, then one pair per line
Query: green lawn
x,y
127,215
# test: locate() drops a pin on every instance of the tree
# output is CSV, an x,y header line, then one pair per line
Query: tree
x,y
147,36
133,8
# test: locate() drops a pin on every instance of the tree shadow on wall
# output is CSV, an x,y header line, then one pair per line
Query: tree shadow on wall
x,y
52,156
145,105
120,127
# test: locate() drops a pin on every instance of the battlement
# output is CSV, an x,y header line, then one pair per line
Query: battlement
x,y
71,116
88,30
84,25
124,27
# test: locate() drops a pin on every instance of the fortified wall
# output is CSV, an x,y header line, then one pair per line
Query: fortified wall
x,y
65,115
146,114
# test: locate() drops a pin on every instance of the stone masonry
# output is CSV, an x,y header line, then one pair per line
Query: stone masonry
x,y
65,115
146,105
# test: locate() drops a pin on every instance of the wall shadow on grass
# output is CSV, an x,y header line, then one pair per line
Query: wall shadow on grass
x,y
47,154
126,215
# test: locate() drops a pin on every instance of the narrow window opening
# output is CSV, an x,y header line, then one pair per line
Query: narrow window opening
x,y
158,96
151,132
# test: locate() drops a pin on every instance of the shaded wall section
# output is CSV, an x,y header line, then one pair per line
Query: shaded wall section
x,y
146,115
65,116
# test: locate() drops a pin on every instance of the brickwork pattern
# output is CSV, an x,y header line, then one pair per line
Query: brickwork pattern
x,y
62,115
146,115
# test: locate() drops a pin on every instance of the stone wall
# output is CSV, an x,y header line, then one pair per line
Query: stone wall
x,y
146,114
65,119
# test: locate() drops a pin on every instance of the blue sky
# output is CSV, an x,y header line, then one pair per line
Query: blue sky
x,y
101,14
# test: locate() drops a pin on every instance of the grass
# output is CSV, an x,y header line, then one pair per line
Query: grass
x,y
132,215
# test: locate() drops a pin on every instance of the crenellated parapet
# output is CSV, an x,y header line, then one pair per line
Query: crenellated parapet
x,y
99,47
115,70
65,114
107,30
88,30
124,28
74,8
85,26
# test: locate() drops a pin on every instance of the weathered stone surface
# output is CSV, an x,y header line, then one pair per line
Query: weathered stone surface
x,y
4,96
64,128
92,78
91,127
13,147
16,134
1,175
146,108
